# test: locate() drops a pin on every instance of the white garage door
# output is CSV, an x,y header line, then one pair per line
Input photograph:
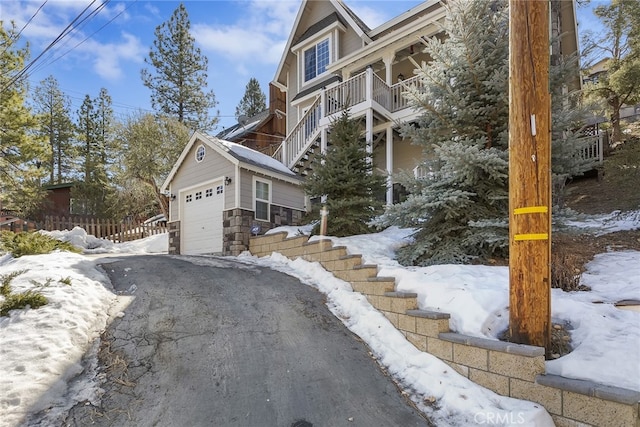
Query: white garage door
x,y
202,219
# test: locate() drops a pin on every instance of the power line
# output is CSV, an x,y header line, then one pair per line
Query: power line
x,y
17,36
63,34
89,36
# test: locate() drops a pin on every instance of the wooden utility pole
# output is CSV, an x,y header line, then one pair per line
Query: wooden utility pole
x,y
529,173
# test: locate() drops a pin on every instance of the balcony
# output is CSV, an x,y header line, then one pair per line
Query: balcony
x,y
360,93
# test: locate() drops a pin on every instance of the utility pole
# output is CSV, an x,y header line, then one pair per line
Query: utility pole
x,y
529,173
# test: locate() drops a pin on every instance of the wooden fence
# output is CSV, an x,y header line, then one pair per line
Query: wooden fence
x,y
116,231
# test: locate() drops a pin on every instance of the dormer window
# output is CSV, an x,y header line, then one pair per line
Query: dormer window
x,y
316,60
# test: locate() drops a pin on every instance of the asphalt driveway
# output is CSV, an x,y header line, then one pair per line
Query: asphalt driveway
x,y
211,342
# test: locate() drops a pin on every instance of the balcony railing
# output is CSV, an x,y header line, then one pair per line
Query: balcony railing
x,y
301,137
361,88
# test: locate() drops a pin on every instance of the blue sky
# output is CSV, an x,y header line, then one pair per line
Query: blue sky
x,y
241,39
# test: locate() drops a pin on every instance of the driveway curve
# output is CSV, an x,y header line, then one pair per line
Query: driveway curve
x,y
211,342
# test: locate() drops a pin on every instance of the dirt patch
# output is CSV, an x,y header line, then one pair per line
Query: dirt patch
x,y
616,188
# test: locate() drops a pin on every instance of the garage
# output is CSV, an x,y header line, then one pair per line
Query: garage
x,y
202,213
219,191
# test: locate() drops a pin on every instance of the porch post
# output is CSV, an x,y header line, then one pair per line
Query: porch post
x,y
389,148
388,67
369,114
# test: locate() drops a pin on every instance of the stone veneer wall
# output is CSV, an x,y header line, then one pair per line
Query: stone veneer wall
x,y
237,225
508,369
174,237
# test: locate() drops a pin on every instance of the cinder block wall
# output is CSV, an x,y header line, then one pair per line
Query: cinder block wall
x,y
508,369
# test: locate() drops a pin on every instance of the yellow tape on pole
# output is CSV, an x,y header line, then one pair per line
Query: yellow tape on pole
x,y
533,236
531,209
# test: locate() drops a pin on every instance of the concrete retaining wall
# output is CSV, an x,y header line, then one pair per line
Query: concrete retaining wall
x,y
509,369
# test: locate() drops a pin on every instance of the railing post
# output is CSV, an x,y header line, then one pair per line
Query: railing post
x,y
368,87
323,103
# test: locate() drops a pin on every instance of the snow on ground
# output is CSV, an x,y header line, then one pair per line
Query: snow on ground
x,y
41,350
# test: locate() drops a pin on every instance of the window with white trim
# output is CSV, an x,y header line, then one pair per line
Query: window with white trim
x,y
200,154
316,60
262,199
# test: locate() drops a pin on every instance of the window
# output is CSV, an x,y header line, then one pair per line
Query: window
x,y
262,200
200,154
198,195
208,192
316,60
189,198
219,189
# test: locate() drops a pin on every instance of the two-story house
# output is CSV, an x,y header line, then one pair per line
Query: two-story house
x,y
332,60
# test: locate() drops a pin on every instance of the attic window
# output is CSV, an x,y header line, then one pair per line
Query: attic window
x,y
316,60
200,153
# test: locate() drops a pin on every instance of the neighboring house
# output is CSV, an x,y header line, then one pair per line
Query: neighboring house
x,y
221,192
263,132
332,60
593,74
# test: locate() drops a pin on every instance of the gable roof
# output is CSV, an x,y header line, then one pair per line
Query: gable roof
x,y
344,13
239,155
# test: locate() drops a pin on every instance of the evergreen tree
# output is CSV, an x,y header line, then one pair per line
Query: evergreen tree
x,y
95,124
53,109
254,100
568,142
21,152
180,76
150,147
344,175
620,42
460,207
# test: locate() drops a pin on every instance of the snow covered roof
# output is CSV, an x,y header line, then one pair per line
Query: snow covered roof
x,y
238,154
253,157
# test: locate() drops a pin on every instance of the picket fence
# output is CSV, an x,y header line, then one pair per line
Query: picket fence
x,y
116,231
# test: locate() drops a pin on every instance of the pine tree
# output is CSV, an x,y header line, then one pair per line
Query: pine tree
x,y
21,152
95,128
567,140
620,42
463,130
180,76
459,209
254,100
53,109
344,175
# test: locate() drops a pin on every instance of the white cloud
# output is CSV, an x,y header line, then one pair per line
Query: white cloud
x,y
370,16
108,57
258,36
239,44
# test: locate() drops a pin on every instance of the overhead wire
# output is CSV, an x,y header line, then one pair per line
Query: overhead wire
x,y
17,36
89,36
68,29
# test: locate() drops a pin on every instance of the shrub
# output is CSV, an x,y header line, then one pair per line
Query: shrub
x,y
566,270
33,243
22,300
5,282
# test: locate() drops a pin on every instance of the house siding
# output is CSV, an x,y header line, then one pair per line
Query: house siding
x,y
282,193
192,173
349,43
